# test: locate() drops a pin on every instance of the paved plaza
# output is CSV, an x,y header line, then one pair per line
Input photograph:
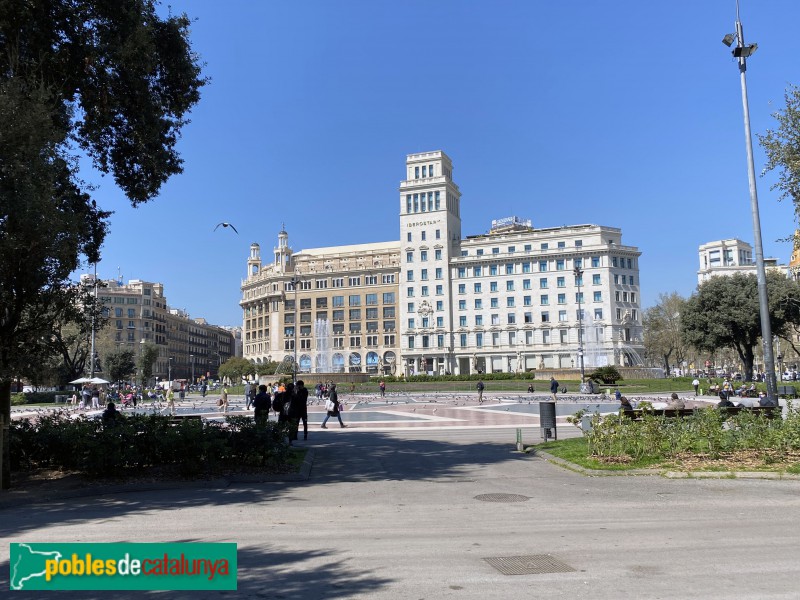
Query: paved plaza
x,y
395,507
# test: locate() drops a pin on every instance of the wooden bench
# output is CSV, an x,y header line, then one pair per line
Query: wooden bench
x,y
178,419
637,414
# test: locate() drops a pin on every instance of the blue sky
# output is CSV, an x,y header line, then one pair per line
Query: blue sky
x,y
622,113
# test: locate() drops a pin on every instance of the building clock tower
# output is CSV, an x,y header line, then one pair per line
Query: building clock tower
x,y
430,237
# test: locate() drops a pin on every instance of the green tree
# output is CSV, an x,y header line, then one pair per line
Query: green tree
x,y
662,330
147,358
236,369
120,365
782,146
724,313
113,79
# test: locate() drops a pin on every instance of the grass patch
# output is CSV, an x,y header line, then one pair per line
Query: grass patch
x,y
575,450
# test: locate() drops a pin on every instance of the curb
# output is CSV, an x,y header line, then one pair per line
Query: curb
x,y
570,466
15,498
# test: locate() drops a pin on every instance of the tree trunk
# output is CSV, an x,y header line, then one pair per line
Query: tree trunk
x,y
5,455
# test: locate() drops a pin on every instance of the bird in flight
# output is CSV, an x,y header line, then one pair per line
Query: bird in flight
x,y
226,225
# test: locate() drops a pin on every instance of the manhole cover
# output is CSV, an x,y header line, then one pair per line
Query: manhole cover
x,y
536,564
501,498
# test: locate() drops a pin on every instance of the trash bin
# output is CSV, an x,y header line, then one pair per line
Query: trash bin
x,y
547,420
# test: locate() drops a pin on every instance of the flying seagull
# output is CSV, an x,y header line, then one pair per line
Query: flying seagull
x,y
226,225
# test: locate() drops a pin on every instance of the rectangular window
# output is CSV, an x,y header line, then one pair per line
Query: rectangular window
x,y
338,315
354,300
545,317
462,288
542,266
479,340
595,279
372,299
493,302
462,305
578,243
562,298
512,249
560,265
411,323
388,340
355,314
512,318
337,282
409,257
509,268
388,325
563,336
613,261
437,255
388,278
526,300
462,272
409,275
510,302
424,275
438,232
462,321
598,314
598,296
510,286
561,282
424,290
543,283
478,320
410,307
545,336
438,272
526,267
526,284
631,280
493,270
371,313
544,300
423,254
388,312
462,340
439,290
322,303
562,315
624,279
439,305
477,288
595,261
388,298
478,303
492,286
354,281
440,321
562,244
408,235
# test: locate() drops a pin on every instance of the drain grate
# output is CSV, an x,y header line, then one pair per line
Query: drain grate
x,y
501,498
536,564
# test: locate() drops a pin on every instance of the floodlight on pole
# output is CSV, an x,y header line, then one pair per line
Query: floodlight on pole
x,y
741,52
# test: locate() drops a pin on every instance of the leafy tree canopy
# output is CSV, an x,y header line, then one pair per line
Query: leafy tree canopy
x,y
121,365
782,146
724,313
112,79
662,330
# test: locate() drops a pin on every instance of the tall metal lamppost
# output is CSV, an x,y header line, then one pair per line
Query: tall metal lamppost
x,y
191,359
741,52
169,371
578,277
295,282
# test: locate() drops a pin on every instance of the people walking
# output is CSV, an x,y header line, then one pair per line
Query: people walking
x,y
223,399
247,399
696,386
553,388
261,404
298,410
95,397
333,407
382,386
480,387
170,401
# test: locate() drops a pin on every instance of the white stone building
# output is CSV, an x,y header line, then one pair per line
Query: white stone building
x,y
504,301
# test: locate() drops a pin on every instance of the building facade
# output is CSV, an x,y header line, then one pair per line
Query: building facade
x,y
727,257
138,314
510,300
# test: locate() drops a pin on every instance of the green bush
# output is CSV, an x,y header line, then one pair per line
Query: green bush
x,y
707,431
18,399
608,375
140,442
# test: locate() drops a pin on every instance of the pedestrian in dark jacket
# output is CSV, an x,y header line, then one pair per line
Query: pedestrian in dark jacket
x,y
553,388
261,404
280,401
298,409
333,407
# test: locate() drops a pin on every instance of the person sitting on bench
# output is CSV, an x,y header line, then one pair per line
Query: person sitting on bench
x,y
675,402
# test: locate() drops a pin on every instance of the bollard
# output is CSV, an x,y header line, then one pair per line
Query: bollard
x,y
520,446
701,391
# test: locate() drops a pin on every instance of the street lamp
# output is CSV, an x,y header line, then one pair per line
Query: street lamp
x,y
578,277
169,371
741,52
780,365
141,359
295,282
191,359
